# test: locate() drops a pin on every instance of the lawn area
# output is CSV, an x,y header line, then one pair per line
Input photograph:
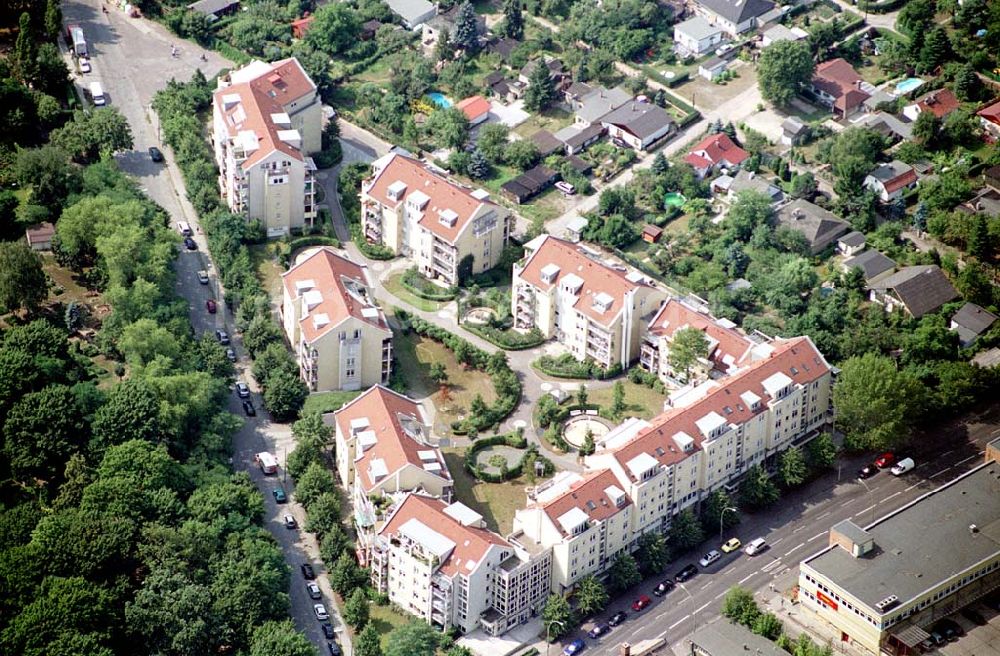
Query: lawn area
x,y
385,619
641,401
678,226
378,72
551,119
266,265
545,207
323,402
395,287
414,355
65,280
496,502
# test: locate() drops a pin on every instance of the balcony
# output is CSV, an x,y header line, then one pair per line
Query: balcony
x,y
648,356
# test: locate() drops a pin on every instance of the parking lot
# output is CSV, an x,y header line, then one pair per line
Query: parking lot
x,y
978,640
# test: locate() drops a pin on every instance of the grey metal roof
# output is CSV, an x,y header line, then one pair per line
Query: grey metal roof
x,y
852,239
600,101
643,119
872,264
891,171
922,544
792,125
922,288
723,638
820,227
737,11
411,11
212,7
974,319
697,28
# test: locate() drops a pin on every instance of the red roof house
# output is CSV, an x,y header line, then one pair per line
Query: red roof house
x,y
301,25
715,150
940,102
839,85
989,116
475,108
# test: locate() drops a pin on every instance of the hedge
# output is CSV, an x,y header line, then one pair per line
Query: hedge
x,y
566,366
419,286
306,242
509,339
516,440
678,80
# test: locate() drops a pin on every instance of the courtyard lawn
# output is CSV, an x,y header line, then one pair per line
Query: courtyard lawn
x,y
266,265
640,401
324,402
551,119
496,502
414,356
385,619
394,286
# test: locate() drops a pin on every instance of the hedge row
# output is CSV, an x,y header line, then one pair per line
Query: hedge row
x,y
515,440
305,242
505,381
566,366
510,339
423,288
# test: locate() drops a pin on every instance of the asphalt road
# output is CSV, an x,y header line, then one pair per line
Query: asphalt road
x,y
796,529
131,58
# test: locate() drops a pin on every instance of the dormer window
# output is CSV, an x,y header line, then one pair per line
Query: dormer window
x,y
396,190
417,201
448,218
572,284
602,302
549,273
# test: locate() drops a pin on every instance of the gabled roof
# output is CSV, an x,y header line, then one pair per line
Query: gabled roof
x,y
642,119
600,101
796,359
437,519
972,321
473,107
728,345
696,28
921,289
887,125
594,496
444,194
332,288
894,175
597,277
411,11
819,226
991,113
576,137
852,239
839,79
546,142
939,102
872,264
716,149
737,11
212,7
394,428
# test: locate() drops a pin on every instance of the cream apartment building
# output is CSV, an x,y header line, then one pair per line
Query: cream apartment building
x,y
448,230
266,120
596,311
341,338
439,562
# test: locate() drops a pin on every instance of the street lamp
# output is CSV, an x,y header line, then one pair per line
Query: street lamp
x,y
722,516
548,631
871,497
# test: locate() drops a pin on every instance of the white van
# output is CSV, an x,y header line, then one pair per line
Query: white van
x,y
755,547
267,462
903,466
184,228
97,94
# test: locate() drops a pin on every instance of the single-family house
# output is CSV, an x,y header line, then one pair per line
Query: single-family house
x,y
503,88
596,104
504,47
529,184
890,181
779,32
215,9
413,13
546,143
939,102
819,226
887,125
575,92
970,322
715,151
734,16
576,138
639,124
40,236
989,116
793,131
696,36
301,25
712,68
475,108
873,264
432,28
840,87
917,290
851,244
556,70
986,201
750,181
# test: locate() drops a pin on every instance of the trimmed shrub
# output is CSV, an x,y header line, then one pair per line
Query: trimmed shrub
x,y
566,366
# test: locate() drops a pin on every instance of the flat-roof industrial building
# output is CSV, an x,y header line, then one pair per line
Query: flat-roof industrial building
x,y
883,584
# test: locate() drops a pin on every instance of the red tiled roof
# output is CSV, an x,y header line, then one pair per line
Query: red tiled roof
x,y
797,358
444,195
301,25
597,277
900,181
839,79
717,149
40,232
474,106
675,315
330,272
697,161
939,102
382,408
471,543
588,495
991,113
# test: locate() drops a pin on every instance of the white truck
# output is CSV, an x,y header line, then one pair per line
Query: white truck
x,y
77,42
267,462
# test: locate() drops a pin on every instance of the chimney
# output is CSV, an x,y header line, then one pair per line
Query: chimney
x,y
625,649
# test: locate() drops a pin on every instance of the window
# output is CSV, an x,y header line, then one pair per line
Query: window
x,y
350,367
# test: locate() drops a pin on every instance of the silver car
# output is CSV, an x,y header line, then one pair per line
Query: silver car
x,y
709,558
320,611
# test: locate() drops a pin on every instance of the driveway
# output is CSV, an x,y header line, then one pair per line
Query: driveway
x,y
131,58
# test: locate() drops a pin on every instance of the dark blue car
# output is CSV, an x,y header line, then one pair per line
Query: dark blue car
x,y
573,648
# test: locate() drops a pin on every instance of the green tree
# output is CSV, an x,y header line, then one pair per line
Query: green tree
x,y
821,452
51,76
750,210
170,608
261,332
368,642
347,575
968,86
936,49
685,531
444,49
804,185
652,553
449,127
686,348
618,399
792,469
274,637
42,430
64,607
23,284
438,373
315,481
513,24
324,514
660,164
356,609
588,447
581,394
479,167
758,490
541,89
876,404
782,69
623,573
768,626
591,595
132,412
715,509
91,135
492,140
49,174
926,128
522,154
558,617
284,395
413,639
25,49
53,19
467,29
739,606
335,29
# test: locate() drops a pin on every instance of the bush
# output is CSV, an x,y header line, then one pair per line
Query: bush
x,y
419,286
508,339
305,242
566,366
515,440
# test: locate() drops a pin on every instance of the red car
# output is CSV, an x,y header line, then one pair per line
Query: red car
x,y
641,603
210,306
885,460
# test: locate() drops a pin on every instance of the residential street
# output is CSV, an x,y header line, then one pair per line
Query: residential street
x,y
131,59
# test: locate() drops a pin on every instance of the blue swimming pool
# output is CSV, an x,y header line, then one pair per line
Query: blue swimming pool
x,y
439,99
908,85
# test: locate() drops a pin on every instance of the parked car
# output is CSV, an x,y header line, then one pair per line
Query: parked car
x,y
307,571
641,603
189,244
222,336
599,630
334,649
709,558
731,545
155,154
320,611
566,187
723,49
314,591
84,65
242,390
327,631
231,355
289,521
279,495
663,587
210,306
618,618
685,573
903,466
867,471
756,546
203,277
974,616
887,459
950,629
573,648
248,409
620,143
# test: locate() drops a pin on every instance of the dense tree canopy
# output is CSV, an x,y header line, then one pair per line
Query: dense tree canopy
x,y
782,69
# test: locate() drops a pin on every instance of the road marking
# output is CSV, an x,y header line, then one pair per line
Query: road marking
x,y
702,607
720,595
818,535
946,453
680,621
774,563
896,494
777,541
911,487
940,472
801,544
798,529
705,586
824,514
966,460
858,514
745,578
661,634
660,616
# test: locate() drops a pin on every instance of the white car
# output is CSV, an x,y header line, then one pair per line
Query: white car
x,y
709,558
242,390
84,65
313,590
320,611
903,466
723,49
566,188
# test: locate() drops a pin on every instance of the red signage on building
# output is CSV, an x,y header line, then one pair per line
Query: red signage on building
x,y
829,603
